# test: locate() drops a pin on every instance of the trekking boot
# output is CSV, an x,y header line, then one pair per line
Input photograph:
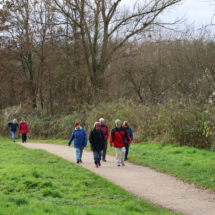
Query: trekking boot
x,y
104,160
96,165
80,161
77,161
99,163
123,164
118,164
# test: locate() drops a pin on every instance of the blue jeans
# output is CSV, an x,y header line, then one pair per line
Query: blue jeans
x,y
97,155
126,152
13,135
79,152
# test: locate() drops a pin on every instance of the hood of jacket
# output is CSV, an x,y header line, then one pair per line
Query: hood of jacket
x,y
78,130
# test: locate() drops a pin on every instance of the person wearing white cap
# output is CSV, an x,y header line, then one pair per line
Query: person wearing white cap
x,y
104,128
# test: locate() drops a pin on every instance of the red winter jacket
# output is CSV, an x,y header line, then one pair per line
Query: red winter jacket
x,y
104,128
117,139
23,127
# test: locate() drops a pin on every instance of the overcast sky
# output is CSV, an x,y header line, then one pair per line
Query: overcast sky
x,y
200,11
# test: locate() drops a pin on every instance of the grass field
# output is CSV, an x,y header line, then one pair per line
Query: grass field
x,y
189,164
36,182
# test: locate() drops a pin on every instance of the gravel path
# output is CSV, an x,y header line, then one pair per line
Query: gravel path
x,y
148,184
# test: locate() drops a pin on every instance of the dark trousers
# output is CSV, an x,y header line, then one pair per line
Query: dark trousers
x,y
104,150
126,153
24,137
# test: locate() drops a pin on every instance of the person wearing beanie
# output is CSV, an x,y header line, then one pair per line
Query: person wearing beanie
x,y
117,141
104,128
23,128
13,128
80,141
130,132
96,139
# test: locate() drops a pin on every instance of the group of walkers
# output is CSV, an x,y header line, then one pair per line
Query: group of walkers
x,y
120,139
23,129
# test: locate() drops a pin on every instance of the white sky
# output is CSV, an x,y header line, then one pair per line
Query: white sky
x,y
198,11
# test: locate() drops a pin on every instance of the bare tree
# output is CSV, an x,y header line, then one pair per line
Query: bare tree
x,y
105,26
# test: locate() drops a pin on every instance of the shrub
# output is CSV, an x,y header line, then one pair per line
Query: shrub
x,y
189,125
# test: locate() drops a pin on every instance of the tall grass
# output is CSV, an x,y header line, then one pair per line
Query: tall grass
x,y
189,125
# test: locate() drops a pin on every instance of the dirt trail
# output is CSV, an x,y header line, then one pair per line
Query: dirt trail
x,y
148,184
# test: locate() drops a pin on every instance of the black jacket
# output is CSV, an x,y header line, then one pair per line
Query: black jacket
x,y
13,126
96,140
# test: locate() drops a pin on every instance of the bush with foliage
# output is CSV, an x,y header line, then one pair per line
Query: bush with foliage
x,y
187,125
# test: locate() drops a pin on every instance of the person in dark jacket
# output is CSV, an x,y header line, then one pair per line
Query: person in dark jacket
x,y
23,128
104,128
80,141
130,132
13,128
116,140
96,139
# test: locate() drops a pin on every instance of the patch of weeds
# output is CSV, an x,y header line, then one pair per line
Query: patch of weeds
x,y
36,174
47,184
186,164
47,210
52,161
48,192
31,184
9,189
177,152
20,201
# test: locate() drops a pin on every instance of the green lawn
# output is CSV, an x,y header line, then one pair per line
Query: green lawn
x,y
189,164
37,182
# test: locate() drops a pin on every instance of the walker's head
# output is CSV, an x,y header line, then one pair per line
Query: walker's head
x,y
97,125
125,124
77,125
118,123
102,121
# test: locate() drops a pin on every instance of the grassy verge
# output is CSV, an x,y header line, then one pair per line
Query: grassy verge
x,y
189,164
37,182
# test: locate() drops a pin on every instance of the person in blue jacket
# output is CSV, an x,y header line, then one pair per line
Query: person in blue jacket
x,y
130,132
80,141
13,128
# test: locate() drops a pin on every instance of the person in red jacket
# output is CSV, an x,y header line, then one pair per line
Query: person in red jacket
x,y
117,142
23,128
104,128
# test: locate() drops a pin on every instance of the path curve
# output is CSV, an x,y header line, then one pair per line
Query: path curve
x,y
155,187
